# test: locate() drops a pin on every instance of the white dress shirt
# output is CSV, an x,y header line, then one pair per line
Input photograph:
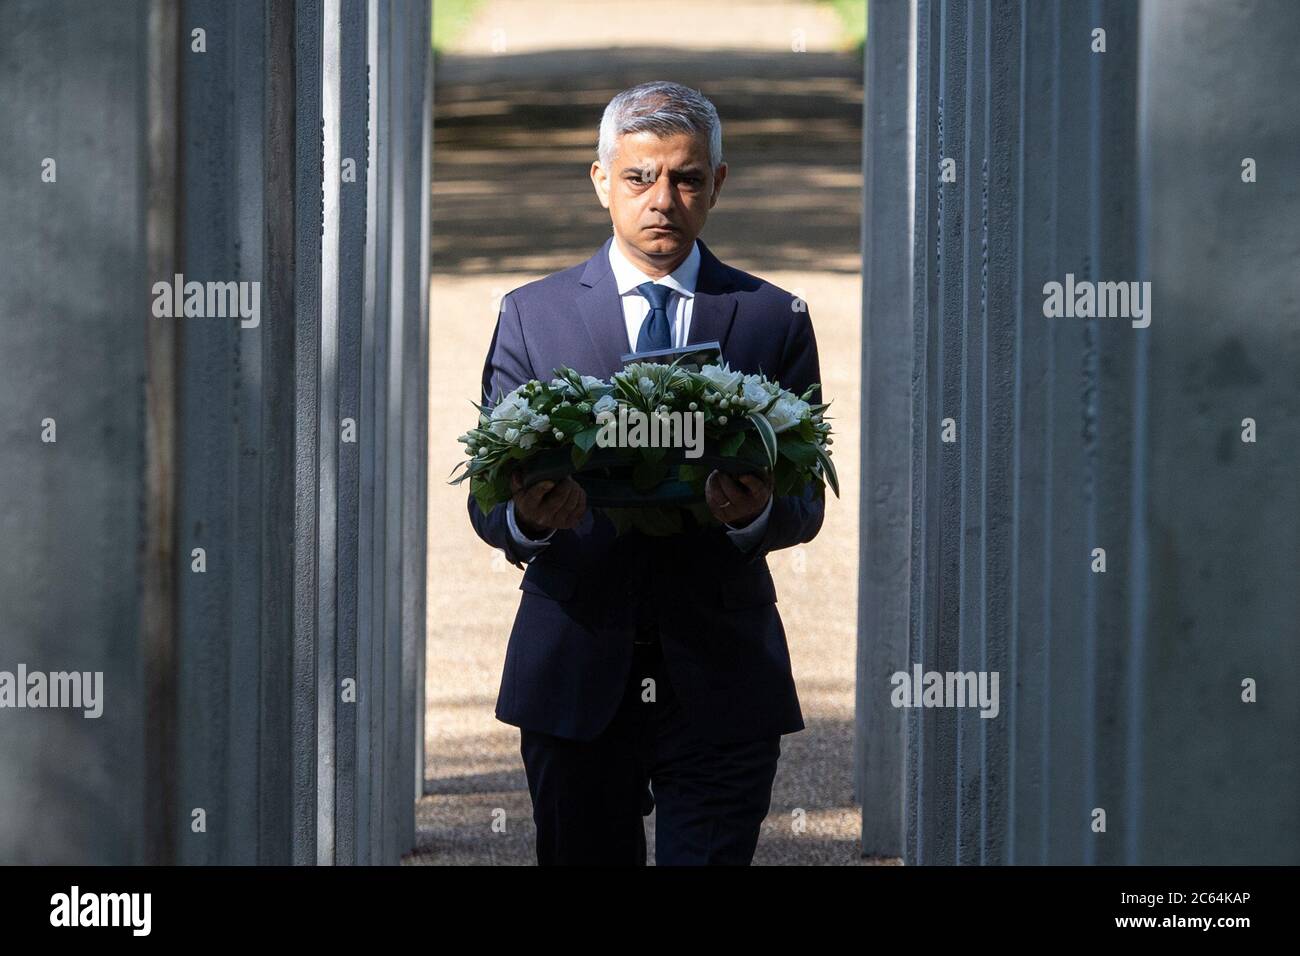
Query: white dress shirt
x,y
635,309
636,306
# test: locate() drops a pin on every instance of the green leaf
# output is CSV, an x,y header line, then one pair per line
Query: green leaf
x,y
767,433
828,469
586,438
570,421
785,477
731,444
797,450
484,496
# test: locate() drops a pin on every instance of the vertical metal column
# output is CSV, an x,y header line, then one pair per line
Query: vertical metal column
x,y
1219,777
246,558
885,506
1038,440
81,449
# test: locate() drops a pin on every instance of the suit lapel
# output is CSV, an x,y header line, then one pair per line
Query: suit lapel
x,y
715,304
712,313
602,313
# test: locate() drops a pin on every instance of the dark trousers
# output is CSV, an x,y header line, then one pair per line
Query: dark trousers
x,y
589,796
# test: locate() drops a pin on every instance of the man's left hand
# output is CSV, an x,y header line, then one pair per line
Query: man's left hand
x,y
737,500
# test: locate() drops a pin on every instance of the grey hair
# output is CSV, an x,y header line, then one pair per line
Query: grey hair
x,y
662,108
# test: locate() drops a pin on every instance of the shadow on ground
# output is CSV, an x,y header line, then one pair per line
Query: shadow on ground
x,y
514,138
486,817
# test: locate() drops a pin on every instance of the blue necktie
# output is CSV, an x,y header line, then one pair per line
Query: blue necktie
x,y
655,331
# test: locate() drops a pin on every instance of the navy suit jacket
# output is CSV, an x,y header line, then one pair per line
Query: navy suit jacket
x,y
570,651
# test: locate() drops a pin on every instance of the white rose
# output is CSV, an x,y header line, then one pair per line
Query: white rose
x,y
722,378
756,394
606,403
511,435
645,385
510,406
539,423
527,440
786,414
590,381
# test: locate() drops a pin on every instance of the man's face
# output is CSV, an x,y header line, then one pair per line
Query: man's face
x,y
658,193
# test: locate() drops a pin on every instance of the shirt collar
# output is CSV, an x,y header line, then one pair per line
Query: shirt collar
x,y
681,280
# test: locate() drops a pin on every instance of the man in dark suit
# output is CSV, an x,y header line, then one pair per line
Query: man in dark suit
x,y
650,672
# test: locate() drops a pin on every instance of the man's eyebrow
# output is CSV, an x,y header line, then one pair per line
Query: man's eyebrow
x,y
683,171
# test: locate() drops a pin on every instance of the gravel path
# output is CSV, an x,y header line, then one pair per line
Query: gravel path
x,y
514,135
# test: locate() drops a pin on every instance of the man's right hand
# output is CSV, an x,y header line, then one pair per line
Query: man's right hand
x,y
547,505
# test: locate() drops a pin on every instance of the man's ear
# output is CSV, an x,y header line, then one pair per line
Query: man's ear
x,y
600,180
719,175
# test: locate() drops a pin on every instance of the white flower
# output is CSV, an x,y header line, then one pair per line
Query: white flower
x,y
755,393
604,404
559,435
722,378
539,423
604,418
636,370
511,435
512,406
722,419
645,385
787,413
590,381
527,440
